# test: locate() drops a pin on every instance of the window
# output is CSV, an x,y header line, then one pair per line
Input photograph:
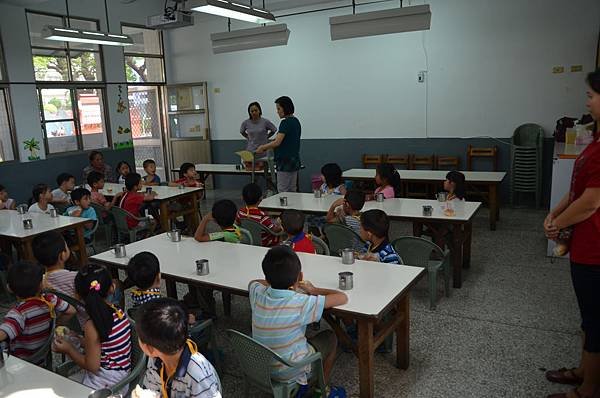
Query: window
x,y
7,141
144,62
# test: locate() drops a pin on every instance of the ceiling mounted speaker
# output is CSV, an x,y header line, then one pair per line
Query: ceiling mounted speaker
x,y
247,39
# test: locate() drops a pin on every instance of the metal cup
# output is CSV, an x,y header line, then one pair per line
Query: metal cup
x,y
268,193
2,355
441,196
283,201
346,280
181,186
102,393
238,166
427,210
379,197
124,189
149,190
119,250
28,223
174,235
53,213
202,267
348,256
318,193
22,209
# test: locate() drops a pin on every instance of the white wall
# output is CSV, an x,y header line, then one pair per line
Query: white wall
x,y
489,69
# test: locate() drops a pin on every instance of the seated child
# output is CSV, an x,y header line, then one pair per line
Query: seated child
x,y
252,195
123,169
132,200
374,229
143,270
81,198
188,177
388,181
6,203
175,367
27,325
66,183
223,213
151,177
346,211
331,175
106,335
42,196
292,222
270,299
96,182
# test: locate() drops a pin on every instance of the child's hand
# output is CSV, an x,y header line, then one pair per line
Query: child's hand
x,y
191,319
61,345
307,286
76,213
209,217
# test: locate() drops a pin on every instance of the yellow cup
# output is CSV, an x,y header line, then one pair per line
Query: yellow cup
x,y
570,136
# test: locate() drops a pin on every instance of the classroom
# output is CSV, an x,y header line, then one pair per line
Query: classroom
x,y
299,198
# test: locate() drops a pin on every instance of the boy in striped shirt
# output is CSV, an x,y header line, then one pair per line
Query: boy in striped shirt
x,y
252,195
282,306
28,324
374,229
346,211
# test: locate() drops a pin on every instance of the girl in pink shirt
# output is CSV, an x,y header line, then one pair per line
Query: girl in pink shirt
x,y
387,180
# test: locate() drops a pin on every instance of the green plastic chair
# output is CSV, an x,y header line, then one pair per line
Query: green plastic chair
x,y
246,237
44,354
256,359
203,334
417,251
257,230
341,237
120,216
139,362
106,224
320,245
73,323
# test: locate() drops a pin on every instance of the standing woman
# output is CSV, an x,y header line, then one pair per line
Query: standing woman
x,y
257,130
580,210
286,146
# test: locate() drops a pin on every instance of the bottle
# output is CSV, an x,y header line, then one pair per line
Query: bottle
x,y
563,242
571,135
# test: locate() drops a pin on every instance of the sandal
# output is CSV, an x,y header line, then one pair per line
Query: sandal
x,y
564,376
575,391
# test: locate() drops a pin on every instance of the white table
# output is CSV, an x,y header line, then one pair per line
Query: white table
x,y
206,169
487,179
11,230
398,209
232,266
20,379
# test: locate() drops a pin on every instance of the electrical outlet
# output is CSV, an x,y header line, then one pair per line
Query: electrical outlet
x,y
576,68
421,76
217,90
558,69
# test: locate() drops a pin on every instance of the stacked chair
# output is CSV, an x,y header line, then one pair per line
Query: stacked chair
x,y
526,162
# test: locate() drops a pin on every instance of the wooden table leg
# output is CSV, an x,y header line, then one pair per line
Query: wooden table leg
x,y
366,355
403,333
196,213
467,245
171,288
494,209
164,215
81,246
457,255
25,250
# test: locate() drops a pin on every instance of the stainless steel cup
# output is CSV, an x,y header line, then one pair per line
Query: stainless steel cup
x,y
102,393
427,210
174,235
119,250
283,201
348,256
22,209
379,197
28,223
149,190
124,189
53,213
346,280
318,193
238,166
181,186
202,267
442,196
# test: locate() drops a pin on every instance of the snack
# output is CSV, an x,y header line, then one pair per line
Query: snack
x,y
61,331
139,392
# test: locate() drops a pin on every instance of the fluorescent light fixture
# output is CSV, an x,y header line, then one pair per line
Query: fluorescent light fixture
x,y
247,39
396,20
85,36
231,9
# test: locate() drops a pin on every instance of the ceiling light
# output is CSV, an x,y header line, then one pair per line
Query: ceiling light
x,y
397,20
85,36
246,39
230,9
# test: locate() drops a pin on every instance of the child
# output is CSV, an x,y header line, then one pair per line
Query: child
x,y
271,301
292,222
66,183
106,335
151,177
387,180
175,367
188,177
374,228
6,203
331,175
132,200
223,213
143,270
455,185
123,169
28,324
81,198
95,180
41,198
346,210
252,195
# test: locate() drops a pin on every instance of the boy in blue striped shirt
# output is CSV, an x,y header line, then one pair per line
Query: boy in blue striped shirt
x,y
374,228
282,306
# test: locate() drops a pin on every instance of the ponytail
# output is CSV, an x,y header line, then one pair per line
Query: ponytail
x,y
388,173
92,284
396,183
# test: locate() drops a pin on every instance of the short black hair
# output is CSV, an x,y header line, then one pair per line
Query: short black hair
x,y
79,193
2,188
333,174
37,190
256,104
292,221
47,247
281,267
63,177
94,177
224,212
131,180
376,222
184,169
162,324
93,154
121,163
286,104
148,162
251,194
143,269
458,179
593,80
25,278
356,199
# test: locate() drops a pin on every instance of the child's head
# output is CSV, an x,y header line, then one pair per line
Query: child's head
x,y
149,166
41,192
96,160
292,221
332,175
385,175
123,168
132,182
162,326
95,180
187,170
281,267
25,279
3,193
224,212
65,181
455,183
354,201
143,270
81,197
252,194
374,223
50,249
93,284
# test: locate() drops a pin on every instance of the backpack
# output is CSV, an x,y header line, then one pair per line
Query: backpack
x,y
562,125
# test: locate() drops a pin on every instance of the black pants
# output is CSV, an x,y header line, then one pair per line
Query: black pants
x,y
586,282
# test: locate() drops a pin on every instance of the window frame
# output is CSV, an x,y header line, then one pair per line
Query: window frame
x,y
161,57
5,96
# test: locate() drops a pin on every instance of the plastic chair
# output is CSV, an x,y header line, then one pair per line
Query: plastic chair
x,y
320,245
44,354
256,362
246,237
73,322
257,230
203,334
138,362
120,216
106,223
341,237
526,162
417,252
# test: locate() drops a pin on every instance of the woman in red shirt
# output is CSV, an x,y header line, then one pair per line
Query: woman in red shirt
x,y
580,210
